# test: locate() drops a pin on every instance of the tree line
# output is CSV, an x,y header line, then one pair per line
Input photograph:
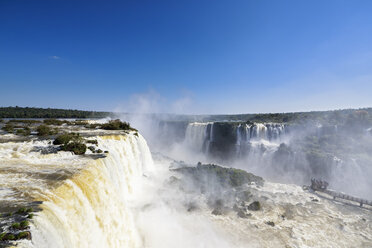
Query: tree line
x,y
28,112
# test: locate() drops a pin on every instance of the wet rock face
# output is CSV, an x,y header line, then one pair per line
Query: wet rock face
x,y
172,131
254,206
243,214
15,225
270,223
222,140
226,190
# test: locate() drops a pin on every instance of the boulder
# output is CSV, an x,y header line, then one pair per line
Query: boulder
x,y
254,206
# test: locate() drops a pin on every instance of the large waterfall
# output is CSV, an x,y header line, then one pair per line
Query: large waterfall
x,y
208,136
198,135
91,207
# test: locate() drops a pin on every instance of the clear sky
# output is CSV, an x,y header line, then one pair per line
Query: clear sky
x,y
186,56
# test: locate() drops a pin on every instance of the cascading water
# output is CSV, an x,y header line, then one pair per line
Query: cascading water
x,y
91,208
197,136
259,131
200,136
94,203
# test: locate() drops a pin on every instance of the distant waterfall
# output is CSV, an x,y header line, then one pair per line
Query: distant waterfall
x,y
198,135
204,137
269,131
91,208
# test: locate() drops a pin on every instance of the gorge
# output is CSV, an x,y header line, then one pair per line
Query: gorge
x,y
129,196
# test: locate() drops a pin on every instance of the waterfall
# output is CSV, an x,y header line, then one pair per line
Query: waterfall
x,y
197,135
269,131
91,208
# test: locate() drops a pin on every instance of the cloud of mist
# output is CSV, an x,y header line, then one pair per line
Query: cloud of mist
x,y
170,135
152,102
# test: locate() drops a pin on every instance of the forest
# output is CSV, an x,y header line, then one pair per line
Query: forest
x,y
28,112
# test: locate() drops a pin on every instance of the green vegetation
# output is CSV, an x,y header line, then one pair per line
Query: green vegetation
x,y
20,112
8,128
72,142
207,173
117,125
24,210
24,224
55,122
16,225
25,131
15,229
44,130
9,236
24,121
23,235
21,225
65,138
334,117
19,130
95,142
80,123
76,147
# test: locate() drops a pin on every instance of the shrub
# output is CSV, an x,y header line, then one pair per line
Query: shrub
x,y
92,149
80,123
8,128
21,211
25,131
9,236
19,131
64,139
116,125
95,142
76,147
24,235
55,122
24,223
99,151
44,130
24,210
16,225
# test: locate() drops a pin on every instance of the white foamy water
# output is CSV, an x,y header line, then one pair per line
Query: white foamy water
x,y
301,219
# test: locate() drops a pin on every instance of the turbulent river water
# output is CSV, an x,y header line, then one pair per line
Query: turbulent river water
x,y
123,200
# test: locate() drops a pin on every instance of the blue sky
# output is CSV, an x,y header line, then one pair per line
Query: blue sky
x,y
186,56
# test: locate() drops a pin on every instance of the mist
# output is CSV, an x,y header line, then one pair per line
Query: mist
x,y
335,148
